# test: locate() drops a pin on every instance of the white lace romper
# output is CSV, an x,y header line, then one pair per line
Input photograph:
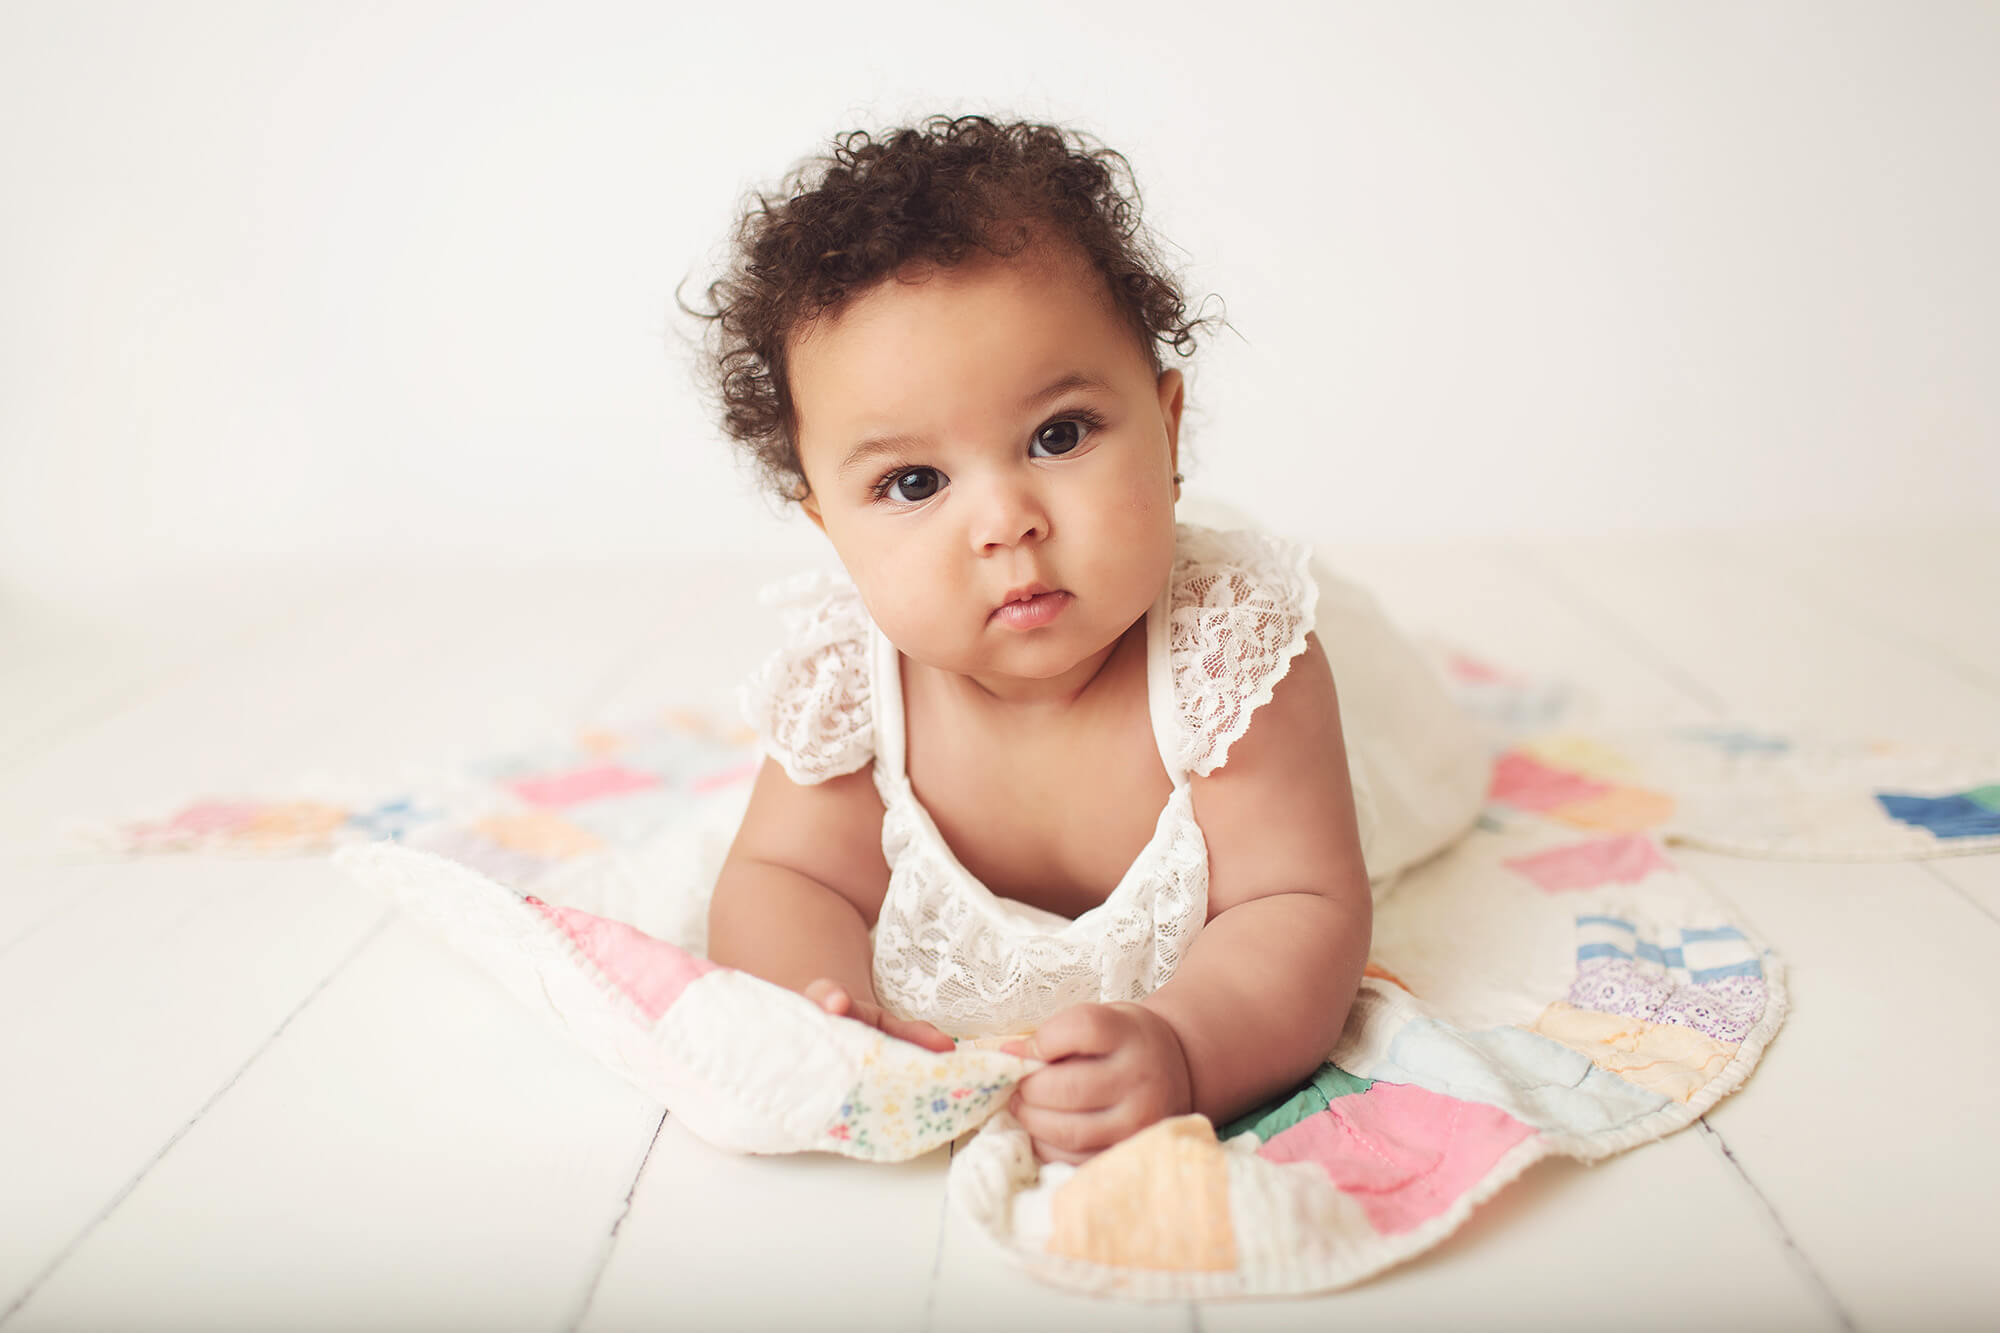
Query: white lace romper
x,y
1235,612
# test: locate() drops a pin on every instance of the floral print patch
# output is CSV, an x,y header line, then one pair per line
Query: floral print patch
x,y
1725,1008
902,1108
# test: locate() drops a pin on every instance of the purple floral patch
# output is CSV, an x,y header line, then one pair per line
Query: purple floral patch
x,y
1726,1009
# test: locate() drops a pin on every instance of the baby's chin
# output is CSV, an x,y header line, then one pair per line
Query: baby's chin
x,y
1015,664
1009,655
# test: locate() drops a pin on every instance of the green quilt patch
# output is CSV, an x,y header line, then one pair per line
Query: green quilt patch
x,y
1314,1096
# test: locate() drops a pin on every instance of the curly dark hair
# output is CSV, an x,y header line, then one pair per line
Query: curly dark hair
x,y
930,193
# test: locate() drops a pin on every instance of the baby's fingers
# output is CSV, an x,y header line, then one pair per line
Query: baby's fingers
x,y
831,996
923,1034
835,999
1069,1136
1077,1084
1081,1029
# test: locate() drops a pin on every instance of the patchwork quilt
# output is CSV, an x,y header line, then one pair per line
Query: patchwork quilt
x,y
1554,983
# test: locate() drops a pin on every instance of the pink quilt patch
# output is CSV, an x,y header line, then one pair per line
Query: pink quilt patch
x,y
1625,859
1474,671
1529,784
215,817
652,973
1404,1152
583,784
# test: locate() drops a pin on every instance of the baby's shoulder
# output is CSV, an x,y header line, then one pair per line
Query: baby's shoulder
x,y
1241,606
809,702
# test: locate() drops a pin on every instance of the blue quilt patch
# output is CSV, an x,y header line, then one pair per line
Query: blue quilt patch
x,y
1956,816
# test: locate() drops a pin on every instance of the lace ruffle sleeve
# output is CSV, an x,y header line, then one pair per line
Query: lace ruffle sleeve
x,y
809,701
1243,604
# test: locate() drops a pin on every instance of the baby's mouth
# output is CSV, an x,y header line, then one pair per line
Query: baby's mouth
x,y
1031,607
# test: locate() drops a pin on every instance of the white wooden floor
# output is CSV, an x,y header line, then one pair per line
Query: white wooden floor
x,y
240,1094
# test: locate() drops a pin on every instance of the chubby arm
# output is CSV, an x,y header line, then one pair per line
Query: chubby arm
x,y
1262,995
1263,992
800,891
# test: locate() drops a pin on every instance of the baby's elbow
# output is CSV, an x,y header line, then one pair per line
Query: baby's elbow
x,y
729,914
1349,926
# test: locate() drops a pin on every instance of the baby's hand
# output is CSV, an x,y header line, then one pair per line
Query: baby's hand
x,y
833,997
1113,1070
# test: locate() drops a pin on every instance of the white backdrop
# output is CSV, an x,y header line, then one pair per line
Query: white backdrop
x,y
346,281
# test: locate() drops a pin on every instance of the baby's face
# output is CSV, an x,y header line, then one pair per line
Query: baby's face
x,y
988,432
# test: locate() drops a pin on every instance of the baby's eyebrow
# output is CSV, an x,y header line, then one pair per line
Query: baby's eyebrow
x,y
1073,380
877,445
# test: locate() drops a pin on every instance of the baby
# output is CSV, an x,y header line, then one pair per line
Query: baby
x,y
1051,766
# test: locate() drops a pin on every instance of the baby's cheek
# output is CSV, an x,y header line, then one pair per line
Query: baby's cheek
x,y
917,627
1138,560
925,643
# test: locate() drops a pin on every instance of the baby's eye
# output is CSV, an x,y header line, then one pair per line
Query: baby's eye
x,y
1057,438
912,484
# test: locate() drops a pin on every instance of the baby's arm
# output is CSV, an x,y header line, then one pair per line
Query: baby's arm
x,y
1263,991
800,890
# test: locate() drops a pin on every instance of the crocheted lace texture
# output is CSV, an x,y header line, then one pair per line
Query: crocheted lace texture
x,y
949,952
946,948
809,702
1242,607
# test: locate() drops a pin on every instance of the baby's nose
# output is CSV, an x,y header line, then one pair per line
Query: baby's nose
x,y
1010,516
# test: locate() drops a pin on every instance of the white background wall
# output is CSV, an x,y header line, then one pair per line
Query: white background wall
x,y
334,281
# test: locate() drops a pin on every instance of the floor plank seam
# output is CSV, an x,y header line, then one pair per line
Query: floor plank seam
x,y
1799,1258
937,1254
1614,627
76,1242
1931,868
617,1224
64,908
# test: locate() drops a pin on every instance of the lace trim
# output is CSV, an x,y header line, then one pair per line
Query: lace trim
x,y
809,701
1243,604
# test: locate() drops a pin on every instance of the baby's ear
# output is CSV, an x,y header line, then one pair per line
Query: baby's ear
x,y
808,502
1173,396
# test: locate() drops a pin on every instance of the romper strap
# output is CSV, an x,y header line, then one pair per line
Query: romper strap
x,y
887,693
1160,704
